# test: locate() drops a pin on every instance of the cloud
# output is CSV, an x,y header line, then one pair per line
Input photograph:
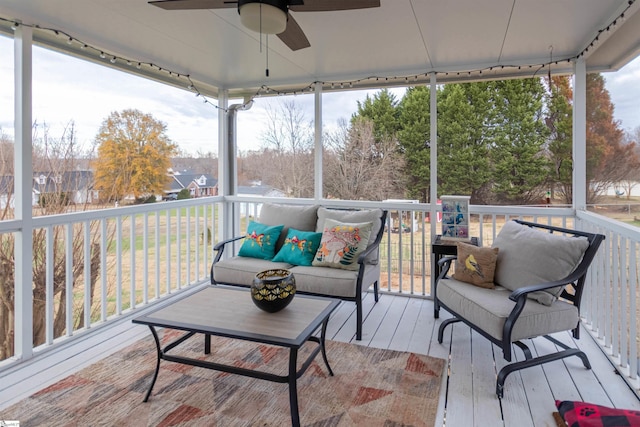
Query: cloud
x,y
67,88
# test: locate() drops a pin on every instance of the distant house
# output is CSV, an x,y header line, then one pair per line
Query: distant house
x,y
260,190
75,186
199,185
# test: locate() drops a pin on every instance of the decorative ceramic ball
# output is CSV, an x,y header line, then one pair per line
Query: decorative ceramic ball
x,y
273,290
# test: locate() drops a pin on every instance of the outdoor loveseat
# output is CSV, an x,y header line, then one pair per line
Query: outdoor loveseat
x,y
528,284
331,252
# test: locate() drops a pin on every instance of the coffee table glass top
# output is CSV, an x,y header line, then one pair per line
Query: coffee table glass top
x,y
230,312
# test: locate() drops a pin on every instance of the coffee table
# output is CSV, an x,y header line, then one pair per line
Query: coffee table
x,y
229,312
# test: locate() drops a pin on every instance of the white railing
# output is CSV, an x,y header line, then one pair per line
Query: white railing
x,y
611,300
130,257
92,267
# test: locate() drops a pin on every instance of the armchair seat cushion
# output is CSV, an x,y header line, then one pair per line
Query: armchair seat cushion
x,y
488,309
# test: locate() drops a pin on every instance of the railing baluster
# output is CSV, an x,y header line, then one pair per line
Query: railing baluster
x,y
168,259
178,247
69,278
49,309
157,246
188,247
145,258
87,274
615,296
622,301
118,265
103,269
132,262
633,321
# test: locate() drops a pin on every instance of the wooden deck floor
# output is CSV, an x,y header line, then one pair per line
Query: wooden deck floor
x,y
468,392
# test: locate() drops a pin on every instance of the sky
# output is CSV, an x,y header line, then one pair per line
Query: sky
x,y
66,89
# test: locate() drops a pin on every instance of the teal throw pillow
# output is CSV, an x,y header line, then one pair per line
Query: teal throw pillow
x,y
260,241
299,247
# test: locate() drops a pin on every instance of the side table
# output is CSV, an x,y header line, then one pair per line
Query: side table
x,y
441,248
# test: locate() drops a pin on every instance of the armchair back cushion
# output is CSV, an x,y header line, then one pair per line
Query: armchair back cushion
x,y
529,256
301,218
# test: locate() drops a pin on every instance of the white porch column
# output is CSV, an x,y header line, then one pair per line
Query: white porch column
x,y
580,135
433,137
317,162
226,161
23,250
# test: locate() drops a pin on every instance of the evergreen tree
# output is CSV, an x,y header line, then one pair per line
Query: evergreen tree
x,y
559,120
382,111
413,136
520,166
464,140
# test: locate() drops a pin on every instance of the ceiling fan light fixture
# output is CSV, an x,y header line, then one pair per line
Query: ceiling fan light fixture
x,y
266,17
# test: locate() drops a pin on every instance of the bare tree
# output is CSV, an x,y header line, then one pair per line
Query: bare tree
x,y
54,157
356,167
288,150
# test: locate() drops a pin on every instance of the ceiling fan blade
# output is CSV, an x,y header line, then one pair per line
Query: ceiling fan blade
x,y
329,5
293,36
193,4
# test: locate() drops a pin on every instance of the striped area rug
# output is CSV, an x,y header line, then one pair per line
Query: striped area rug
x,y
371,387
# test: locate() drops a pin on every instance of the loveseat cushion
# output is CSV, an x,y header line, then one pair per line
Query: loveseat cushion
x,y
530,257
302,218
326,281
489,309
241,270
374,216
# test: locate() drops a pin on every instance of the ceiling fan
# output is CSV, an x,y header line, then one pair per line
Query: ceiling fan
x,y
271,16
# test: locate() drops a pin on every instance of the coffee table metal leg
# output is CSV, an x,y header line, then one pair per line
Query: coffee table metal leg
x,y
322,346
293,387
207,344
159,352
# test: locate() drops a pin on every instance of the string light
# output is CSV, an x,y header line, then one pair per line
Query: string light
x,y
268,90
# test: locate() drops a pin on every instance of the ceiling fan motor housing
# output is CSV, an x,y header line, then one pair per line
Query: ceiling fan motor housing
x,y
264,16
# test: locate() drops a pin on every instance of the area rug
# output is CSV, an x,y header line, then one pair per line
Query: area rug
x,y
371,387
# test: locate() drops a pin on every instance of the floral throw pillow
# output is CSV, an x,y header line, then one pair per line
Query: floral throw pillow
x,y
299,247
476,265
260,241
341,244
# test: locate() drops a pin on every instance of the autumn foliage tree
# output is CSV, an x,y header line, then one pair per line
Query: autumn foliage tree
x,y
606,154
134,154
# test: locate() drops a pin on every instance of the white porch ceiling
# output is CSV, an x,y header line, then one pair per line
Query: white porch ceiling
x,y
401,41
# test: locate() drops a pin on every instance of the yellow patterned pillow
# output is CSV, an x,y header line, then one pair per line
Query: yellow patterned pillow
x,y
476,265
